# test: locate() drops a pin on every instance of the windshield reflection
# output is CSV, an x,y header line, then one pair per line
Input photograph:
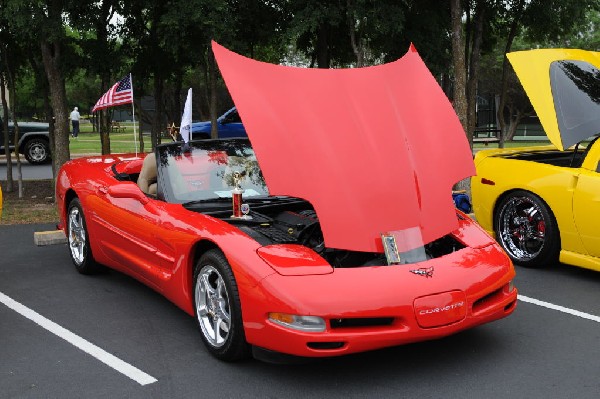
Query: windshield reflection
x,y
585,76
205,170
576,92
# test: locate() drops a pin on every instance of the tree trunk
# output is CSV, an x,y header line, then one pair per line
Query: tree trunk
x,y
357,48
322,50
139,125
105,127
458,61
460,73
12,98
515,117
206,92
50,120
177,83
509,40
7,152
157,121
51,54
212,76
477,37
42,81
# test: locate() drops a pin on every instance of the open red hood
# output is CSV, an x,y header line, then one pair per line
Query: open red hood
x,y
374,149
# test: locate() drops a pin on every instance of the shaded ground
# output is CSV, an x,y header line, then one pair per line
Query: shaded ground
x,y
36,206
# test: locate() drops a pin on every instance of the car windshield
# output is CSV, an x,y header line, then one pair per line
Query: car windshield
x,y
205,170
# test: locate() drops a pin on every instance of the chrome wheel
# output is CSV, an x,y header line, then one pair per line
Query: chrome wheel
x,y
218,308
77,240
212,306
526,229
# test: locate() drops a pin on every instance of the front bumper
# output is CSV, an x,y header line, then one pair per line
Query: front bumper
x,y
369,308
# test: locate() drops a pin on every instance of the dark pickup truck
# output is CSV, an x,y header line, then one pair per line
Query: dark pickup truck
x,y
33,143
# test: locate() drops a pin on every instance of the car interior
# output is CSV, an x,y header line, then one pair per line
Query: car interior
x,y
147,179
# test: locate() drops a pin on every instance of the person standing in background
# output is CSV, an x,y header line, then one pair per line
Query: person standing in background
x,y
75,122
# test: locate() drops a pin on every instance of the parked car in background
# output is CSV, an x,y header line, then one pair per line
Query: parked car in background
x,y
33,142
228,125
541,203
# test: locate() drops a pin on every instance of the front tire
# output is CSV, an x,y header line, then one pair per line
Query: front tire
x,y
218,309
79,240
37,151
527,229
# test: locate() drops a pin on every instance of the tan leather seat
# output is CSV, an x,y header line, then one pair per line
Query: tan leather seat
x,y
147,178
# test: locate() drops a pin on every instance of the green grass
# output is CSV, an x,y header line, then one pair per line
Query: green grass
x,y
120,142
89,143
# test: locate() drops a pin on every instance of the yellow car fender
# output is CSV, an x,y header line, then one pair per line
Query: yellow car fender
x,y
497,176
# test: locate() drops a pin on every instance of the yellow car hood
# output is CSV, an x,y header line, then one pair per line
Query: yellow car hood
x,y
563,86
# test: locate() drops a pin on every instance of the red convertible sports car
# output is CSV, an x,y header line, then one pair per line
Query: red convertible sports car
x,y
302,240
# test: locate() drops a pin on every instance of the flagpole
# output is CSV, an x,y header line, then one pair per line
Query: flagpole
x,y
133,108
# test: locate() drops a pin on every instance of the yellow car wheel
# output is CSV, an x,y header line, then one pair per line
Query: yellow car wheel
x,y
526,229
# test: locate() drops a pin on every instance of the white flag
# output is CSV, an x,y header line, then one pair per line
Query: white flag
x,y
186,120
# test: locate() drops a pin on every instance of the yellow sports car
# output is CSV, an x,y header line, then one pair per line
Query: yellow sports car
x,y
543,203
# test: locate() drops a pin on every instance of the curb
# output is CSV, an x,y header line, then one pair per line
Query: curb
x,y
42,238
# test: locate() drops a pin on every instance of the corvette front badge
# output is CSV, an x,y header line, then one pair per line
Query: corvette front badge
x,y
422,271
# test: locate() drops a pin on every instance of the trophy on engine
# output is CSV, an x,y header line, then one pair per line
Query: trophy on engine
x,y
240,210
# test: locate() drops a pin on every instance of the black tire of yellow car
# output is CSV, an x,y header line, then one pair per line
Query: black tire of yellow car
x,y
235,347
549,252
88,264
37,151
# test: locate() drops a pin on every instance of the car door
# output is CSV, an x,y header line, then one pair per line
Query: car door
x,y
129,221
586,201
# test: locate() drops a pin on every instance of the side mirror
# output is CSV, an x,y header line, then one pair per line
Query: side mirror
x,y
128,190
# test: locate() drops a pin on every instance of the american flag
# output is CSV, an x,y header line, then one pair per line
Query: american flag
x,y
119,94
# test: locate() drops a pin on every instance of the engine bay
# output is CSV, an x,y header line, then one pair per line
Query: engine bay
x,y
288,220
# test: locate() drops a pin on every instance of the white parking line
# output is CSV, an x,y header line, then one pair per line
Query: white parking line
x,y
560,308
112,361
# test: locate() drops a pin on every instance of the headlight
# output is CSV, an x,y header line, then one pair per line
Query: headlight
x,y
300,323
511,286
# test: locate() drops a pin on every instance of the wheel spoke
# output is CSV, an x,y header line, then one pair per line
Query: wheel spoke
x,y
210,291
217,337
202,311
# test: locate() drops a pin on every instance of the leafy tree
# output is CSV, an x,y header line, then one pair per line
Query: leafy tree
x,y
11,61
540,21
40,24
320,30
97,37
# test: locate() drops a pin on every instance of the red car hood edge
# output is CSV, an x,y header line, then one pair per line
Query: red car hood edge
x,y
373,149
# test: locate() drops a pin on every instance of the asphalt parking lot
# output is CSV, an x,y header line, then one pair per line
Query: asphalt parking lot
x,y
64,335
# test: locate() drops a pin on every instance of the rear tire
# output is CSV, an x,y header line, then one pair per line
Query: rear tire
x,y
218,309
79,240
527,230
37,151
